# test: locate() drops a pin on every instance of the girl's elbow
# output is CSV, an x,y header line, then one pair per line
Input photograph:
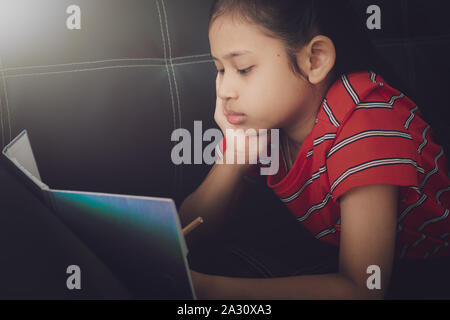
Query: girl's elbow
x,y
363,293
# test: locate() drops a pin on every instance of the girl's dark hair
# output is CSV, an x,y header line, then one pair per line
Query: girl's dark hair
x,y
297,22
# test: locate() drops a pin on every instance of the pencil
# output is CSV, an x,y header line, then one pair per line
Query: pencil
x,y
191,226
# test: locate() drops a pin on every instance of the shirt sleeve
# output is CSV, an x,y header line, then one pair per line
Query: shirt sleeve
x,y
372,147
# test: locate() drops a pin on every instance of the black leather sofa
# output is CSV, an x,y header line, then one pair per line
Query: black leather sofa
x,y
100,104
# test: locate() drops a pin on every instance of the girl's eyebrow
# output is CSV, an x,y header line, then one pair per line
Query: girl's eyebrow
x,y
233,54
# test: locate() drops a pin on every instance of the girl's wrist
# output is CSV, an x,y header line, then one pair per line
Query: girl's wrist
x,y
241,168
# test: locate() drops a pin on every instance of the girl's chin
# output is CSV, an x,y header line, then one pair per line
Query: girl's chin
x,y
250,131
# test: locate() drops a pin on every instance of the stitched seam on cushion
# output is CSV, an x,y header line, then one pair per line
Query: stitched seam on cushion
x,y
170,87
6,106
178,169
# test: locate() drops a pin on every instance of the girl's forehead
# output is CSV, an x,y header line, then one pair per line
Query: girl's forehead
x,y
225,23
227,35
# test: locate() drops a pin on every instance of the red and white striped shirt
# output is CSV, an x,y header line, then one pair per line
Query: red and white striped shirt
x,y
369,133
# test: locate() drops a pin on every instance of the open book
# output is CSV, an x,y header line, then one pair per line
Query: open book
x,y
138,238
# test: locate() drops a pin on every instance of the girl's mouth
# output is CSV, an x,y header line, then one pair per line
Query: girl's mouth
x,y
236,118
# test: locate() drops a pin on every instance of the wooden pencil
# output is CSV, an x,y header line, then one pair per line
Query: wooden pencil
x,y
191,226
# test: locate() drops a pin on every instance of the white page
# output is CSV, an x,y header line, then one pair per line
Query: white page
x,y
20,149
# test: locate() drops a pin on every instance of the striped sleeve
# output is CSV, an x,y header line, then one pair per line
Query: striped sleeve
x,y
372,147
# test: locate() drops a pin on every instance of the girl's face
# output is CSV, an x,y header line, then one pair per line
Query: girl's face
x,y
255,77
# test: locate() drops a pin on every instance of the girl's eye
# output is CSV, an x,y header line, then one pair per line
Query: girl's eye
x,y
241,71
245,71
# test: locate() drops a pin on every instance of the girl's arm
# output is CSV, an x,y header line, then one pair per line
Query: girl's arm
x,y
214,200
368,230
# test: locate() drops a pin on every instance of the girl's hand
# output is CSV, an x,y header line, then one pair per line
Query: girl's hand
x,y
240,151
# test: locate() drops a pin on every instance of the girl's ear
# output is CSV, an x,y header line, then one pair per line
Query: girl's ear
x,y
317,58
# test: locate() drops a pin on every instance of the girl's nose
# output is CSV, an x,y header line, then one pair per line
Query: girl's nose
x,y
225,88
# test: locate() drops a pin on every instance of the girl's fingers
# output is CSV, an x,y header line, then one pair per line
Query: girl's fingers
x,y
258,139
218,114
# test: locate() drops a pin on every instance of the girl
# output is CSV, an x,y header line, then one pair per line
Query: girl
x,y
360,170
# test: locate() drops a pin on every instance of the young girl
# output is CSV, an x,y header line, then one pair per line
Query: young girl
x,y
359,167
